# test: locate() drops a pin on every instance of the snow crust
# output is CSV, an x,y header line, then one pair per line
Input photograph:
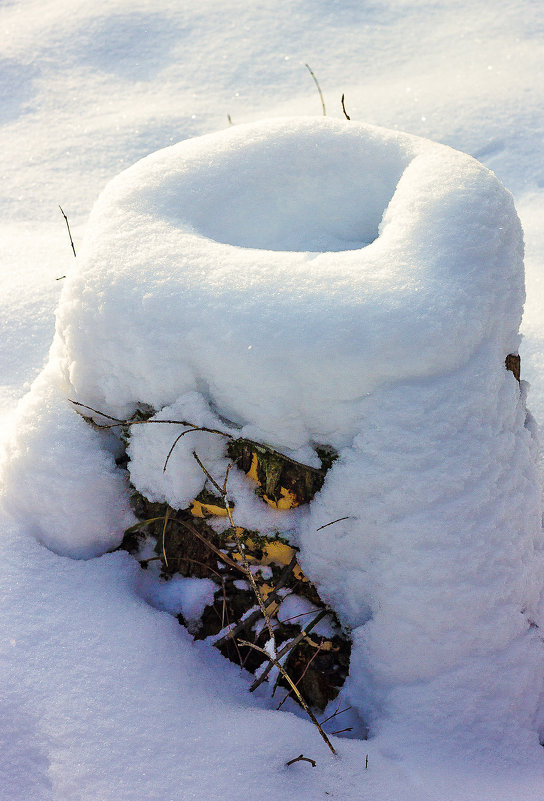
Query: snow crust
x,y
382,330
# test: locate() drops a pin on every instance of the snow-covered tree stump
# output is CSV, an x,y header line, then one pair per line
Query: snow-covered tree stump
x,y
313,282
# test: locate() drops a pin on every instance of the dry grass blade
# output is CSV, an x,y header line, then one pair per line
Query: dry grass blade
x,y
166,516
310,70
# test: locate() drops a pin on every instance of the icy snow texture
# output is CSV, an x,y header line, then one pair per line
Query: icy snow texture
x,y
314,280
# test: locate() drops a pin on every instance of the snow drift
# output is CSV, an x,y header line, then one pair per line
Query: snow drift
x,y
314,281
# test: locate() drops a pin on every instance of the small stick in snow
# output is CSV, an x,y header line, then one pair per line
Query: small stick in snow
x,y
310,70
346,115
69,234
230,119
349,517
302,758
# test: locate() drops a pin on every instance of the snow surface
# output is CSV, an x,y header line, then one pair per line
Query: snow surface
x,y
86,663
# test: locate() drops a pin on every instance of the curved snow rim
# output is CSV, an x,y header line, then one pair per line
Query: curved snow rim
x,y
283,339
281,185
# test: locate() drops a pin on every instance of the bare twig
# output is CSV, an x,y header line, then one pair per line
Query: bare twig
x,y
349,728
257,445
275,663
241,549
302,758
346,115
119,422
317,650
69,232
96,411
288,647
318,88
335,714
229,118
349,517
273,596
223,556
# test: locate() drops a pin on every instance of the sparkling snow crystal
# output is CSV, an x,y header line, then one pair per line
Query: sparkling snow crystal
x,y
313,281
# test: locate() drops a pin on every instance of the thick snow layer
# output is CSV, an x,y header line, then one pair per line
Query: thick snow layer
x,y
86,90
388,343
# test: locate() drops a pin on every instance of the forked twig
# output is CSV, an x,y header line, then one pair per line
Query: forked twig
x,y
310,70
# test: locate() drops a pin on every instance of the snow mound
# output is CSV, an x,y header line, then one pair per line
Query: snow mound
x,y
308,281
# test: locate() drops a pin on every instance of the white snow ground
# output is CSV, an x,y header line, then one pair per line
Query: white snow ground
x,y
103,696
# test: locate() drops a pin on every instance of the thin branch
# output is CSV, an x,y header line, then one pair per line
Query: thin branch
x,y
302,758
275,663
177,439
349,728
69,232
289,647
271,597
223,556
318,88
208,475
243,441
119,422
349,517
102,414
241,549
335,714
317,650
344,109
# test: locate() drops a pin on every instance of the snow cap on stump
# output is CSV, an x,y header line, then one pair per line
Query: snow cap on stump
x,y
324,281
